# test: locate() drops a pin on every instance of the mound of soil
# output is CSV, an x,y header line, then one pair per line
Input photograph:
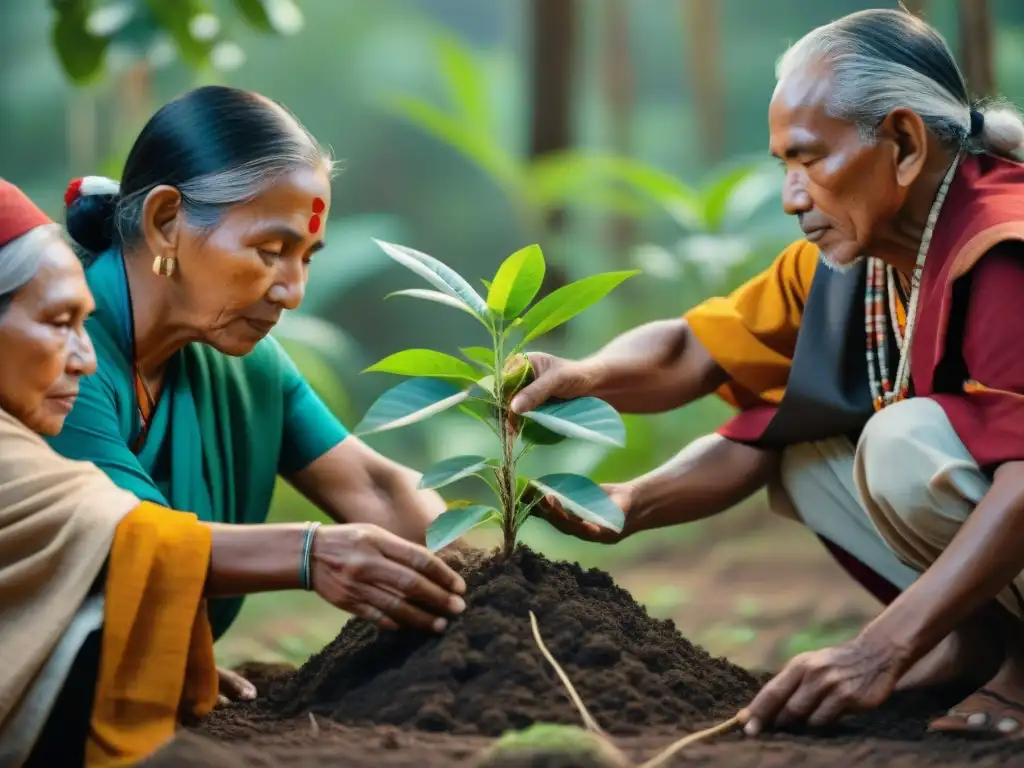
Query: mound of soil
x,y
486,675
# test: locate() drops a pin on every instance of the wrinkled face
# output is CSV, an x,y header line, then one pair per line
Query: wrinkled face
x,y
44,349
844,190
235,279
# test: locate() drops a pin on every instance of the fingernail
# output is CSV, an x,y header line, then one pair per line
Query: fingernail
x,y
514,405
249,692
458,605
752,728
460,586
440,624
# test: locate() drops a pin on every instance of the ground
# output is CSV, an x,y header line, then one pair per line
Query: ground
x,y
747,585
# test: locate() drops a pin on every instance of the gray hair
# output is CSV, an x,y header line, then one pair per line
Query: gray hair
x,y
20,259
880,60
218,146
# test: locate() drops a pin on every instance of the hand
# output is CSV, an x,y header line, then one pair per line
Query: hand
x,y
554,377
233,687
383,578
820,686
551,510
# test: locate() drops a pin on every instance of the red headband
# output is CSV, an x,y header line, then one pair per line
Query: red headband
x,y
18,214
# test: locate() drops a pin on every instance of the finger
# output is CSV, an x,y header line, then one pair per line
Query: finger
x,y
763,710
399,611
407,583
235,687
804,700
222,701
828,710
420,560
540,389
371,614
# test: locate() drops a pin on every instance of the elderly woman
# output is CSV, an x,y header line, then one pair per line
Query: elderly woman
x,y
192,259
84,561
879,368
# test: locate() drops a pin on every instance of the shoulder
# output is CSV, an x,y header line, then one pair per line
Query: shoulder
x,y
794,267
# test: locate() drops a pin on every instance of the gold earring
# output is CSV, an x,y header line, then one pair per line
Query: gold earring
x,y
165,266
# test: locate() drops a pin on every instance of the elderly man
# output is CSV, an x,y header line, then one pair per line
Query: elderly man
x,y
878,366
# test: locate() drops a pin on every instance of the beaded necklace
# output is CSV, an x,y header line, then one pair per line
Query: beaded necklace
x,y
881,280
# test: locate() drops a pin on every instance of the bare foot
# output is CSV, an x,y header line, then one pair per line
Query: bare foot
x,y
997,708
970,655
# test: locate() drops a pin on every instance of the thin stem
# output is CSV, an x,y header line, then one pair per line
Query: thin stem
x,y
507,471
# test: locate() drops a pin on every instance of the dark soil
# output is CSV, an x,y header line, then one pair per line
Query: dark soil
x,y
403,698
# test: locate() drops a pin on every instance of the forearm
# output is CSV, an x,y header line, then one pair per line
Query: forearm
x,y
656,367
246,559
352,483
708,476
982,559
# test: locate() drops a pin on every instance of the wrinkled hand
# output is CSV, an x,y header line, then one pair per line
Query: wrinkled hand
x,y
818,687
551,510
381,577
554,377
233,687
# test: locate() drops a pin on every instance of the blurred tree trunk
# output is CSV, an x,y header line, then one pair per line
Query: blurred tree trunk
x,y
619,87
555,32
703,40
976,49
555,26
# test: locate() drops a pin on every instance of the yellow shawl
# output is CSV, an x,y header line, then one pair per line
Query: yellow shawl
x,y
60,520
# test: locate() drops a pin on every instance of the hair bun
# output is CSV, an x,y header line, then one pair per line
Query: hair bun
x,y
90,206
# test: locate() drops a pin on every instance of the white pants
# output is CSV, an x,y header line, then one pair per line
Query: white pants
x,y
896,500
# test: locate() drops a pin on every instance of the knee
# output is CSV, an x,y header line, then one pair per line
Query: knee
x,y
895,461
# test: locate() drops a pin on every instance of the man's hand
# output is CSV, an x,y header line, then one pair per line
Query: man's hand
x,y
551,510
554,377
818,687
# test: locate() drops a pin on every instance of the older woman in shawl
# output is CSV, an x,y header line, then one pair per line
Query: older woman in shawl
x,y
104,630
878,365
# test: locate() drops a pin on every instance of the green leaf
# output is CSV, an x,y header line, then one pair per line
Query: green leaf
x,y
452,469
176,17
584,498
480,355
535,434
453,523
479,147
585,418
81,53
481,412
487,284
464,77
425,362
517,281
738,193
255,12
438,274
437,296
409,402
568,301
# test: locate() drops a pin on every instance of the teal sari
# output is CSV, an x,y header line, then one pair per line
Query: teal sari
x,y
222,431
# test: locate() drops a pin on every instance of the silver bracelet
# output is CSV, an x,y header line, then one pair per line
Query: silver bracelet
x,y
306,566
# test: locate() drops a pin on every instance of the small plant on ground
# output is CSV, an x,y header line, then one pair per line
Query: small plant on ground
x,y
482,385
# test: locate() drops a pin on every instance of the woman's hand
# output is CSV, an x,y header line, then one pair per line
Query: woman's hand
x,y
551,510
233,687
379,576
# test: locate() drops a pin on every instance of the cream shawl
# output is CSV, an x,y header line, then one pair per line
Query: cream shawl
x,y
57,522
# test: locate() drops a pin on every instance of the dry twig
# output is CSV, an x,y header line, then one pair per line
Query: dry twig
x,y
676,746
588,719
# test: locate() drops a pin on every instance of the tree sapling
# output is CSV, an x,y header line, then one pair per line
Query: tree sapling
x,y
482,385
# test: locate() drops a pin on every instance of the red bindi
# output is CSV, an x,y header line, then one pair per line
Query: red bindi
x,y
314,220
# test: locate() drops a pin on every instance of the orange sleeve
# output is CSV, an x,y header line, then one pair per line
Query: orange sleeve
x,y
157,646
752,332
